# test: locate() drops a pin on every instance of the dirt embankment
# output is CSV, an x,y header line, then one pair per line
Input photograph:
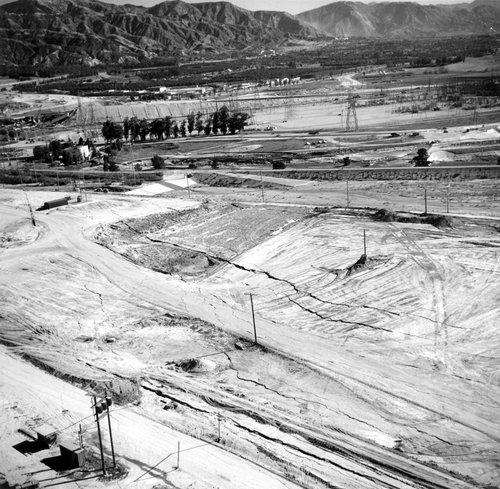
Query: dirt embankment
x,y
164,242
219,180
436,220
455,173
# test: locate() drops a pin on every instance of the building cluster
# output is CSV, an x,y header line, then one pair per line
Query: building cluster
x,y
281,82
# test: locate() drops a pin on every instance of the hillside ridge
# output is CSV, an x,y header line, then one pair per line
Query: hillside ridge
x,y
91,32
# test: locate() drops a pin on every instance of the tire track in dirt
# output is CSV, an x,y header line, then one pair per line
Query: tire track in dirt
x,y
424,261
385,465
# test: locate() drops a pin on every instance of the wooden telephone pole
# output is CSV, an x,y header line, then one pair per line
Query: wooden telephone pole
x,y
97,407
31,210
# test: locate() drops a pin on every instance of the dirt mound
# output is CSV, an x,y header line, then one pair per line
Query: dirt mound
x,y
437,220
197,365
218,180
358,265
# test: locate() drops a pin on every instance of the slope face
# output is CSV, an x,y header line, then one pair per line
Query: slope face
x,y
88,31
405,19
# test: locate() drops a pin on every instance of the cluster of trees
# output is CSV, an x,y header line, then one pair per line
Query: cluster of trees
x,y
8,133
222,121
337,56
46,71
417,52
81,86
422,158
438,61
65,151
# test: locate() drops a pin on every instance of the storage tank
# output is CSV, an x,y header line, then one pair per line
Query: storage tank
x,y
55,203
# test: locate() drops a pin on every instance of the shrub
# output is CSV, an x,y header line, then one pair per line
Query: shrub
x,y
279,165
436,220
158,162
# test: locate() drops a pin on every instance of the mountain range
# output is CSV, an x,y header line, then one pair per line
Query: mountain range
x,y
404,19
53,32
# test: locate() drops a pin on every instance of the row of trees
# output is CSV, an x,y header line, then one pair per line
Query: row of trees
x,y
222,121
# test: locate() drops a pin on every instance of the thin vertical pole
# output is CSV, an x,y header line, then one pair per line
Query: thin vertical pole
x,y
178,453
261,187
80,436
31,210
364,242
425,201
110,433
188,189
448,199
99,433
218,422
253,319
347,192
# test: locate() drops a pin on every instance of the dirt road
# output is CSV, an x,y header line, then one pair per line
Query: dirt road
x,y
101,285
140,443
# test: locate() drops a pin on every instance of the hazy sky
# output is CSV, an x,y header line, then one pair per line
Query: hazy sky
x,y
292,6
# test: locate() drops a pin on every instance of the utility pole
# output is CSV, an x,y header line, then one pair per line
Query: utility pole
x,y
31,210
448,199
80,436
187,183
96,412
261,186
253,318
218,427
108,403
364,242
425,201
34,171
347,192
178,453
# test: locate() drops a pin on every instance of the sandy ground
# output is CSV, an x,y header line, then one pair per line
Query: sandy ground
x,y
376,373
140,443
406,372
317,116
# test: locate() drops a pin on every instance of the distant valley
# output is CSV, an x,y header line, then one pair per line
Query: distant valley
x,y
89,32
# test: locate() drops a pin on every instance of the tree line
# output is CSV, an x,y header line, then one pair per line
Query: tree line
x,y
222,121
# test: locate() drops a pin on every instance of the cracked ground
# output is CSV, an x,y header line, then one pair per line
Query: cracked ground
x,y
369,373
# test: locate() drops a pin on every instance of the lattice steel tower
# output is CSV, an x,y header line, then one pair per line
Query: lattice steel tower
x,y
351,109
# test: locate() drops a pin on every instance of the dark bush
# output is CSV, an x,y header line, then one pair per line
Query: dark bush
x,y
279,165
158,162
436,220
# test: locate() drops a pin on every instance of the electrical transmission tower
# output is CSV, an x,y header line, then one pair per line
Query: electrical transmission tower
x,y
351,109
80,116
91,120
288,103
475,115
